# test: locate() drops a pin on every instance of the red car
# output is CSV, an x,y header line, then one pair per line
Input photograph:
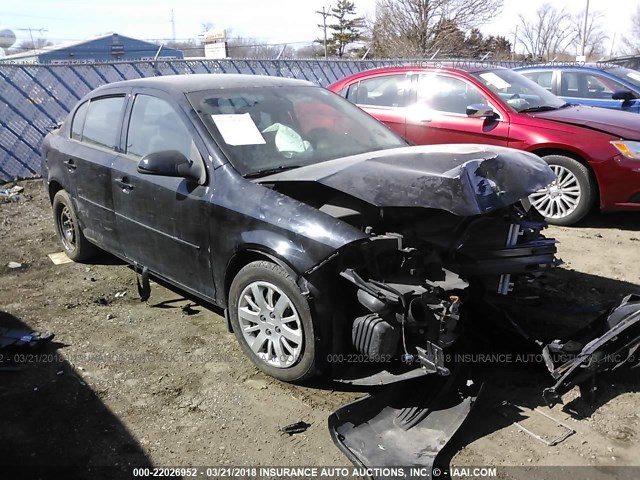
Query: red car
x,y
594,152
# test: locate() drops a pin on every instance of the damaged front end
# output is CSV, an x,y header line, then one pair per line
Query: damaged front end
x,y
418,287
453,251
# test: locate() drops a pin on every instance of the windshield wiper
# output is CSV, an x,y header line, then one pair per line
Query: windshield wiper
x,y
539,108
270,171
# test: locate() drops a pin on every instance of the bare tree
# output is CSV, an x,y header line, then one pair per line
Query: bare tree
x,y
309,51
631,42
596,36
206,26
190,48
547,35
409,28
245,47
36,44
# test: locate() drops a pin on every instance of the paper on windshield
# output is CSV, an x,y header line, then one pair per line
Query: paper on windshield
x,y
634,75
238,129
495,80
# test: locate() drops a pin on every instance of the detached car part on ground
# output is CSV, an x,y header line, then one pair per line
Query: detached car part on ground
x,y
322,234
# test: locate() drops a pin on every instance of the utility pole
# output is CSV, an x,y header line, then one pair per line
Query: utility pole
x,y
31,30
584,30
515,40
613,42
173,25
325,13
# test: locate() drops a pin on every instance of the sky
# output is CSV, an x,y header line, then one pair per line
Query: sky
x,y
281,21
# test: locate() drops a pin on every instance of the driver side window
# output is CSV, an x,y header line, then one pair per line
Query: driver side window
x,y
155,126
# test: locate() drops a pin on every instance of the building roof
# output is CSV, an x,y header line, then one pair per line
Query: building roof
x,y
67,45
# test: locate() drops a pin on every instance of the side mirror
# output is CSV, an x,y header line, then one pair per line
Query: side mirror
x,y
625,95
169,163
480,110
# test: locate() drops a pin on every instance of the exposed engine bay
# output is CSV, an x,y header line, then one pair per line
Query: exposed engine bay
x,y
420,288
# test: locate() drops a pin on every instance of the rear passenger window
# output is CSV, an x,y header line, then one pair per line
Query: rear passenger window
x,y
102,122
78,121
385,91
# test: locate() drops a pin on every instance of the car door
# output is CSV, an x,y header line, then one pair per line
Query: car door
x,y
95,138
593,89
439,113
384,97
163,220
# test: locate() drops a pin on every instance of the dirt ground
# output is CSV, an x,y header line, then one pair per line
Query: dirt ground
x,y
132,383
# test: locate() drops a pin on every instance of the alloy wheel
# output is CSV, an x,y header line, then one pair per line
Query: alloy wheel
x,y
560,198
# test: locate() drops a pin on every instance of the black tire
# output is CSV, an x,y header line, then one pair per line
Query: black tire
x,y
263,273
73,241
585,198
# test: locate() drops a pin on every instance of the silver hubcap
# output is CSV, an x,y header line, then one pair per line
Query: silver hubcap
x,y
560,198
270,324
67,229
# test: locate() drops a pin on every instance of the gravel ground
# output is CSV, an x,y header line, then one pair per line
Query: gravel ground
x,y
132,383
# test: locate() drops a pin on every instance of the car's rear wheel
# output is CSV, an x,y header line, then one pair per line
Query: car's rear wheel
x,y
272,321
568,199
73,241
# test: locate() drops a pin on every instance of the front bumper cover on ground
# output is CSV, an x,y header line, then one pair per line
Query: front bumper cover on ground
x,y
405,424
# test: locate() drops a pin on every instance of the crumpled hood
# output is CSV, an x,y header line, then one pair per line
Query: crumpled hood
x,y
464,179
618,123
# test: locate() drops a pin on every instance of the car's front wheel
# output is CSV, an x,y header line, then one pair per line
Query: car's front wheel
x,y
567,200
75,245
272,321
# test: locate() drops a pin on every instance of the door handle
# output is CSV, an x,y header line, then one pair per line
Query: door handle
x,y
71,166
124,184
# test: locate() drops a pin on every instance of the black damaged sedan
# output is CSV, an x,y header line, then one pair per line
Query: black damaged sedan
x,y
318,230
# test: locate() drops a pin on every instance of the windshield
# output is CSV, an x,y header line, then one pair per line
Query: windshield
x,y
626,74
518,92
266,129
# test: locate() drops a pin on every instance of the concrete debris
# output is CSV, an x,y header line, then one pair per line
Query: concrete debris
x,y
14,265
